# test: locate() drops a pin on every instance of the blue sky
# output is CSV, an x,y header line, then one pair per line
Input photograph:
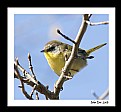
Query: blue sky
x,y
33,31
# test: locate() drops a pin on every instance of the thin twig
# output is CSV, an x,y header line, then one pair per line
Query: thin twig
x,y
33,90
89,16
30,66
58,31
32,82
22,83
37,96
103,96
98,23
94,94
46,95
26,74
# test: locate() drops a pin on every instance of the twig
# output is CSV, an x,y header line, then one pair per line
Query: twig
x,y
58,31
37,97
22,83
103,96
46,95
98,23
33,91
94,94
30,66
68,63
31,81
26,74
89,16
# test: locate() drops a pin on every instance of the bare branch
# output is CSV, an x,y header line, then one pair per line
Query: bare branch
x,y
26,74
46,95
103,96
33,91
30,66
68,63
89,16
32,82
37,97
58,31
94,94
22,83
98,23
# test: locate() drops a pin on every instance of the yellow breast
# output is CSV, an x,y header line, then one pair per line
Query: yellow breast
x,y
56,62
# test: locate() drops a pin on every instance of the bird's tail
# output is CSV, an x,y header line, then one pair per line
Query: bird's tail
x,y
94,49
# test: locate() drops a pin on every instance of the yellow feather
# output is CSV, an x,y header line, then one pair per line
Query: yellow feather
x,y
94,49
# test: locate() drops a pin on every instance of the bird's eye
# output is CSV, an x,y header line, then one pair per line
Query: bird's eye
x,y
82,52
51,48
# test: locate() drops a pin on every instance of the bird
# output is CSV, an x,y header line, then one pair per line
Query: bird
x,y
57,53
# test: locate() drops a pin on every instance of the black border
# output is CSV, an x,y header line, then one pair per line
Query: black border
x,y
3,12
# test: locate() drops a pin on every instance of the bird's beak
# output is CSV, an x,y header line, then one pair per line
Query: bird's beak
x,y
42,51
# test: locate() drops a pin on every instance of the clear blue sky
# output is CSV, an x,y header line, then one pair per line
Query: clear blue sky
x,y
33,31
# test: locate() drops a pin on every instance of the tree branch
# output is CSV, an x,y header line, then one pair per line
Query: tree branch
x,y
103,96
32,92
59,32
22,83
29,80
31,67
98,23
69,62
37,97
